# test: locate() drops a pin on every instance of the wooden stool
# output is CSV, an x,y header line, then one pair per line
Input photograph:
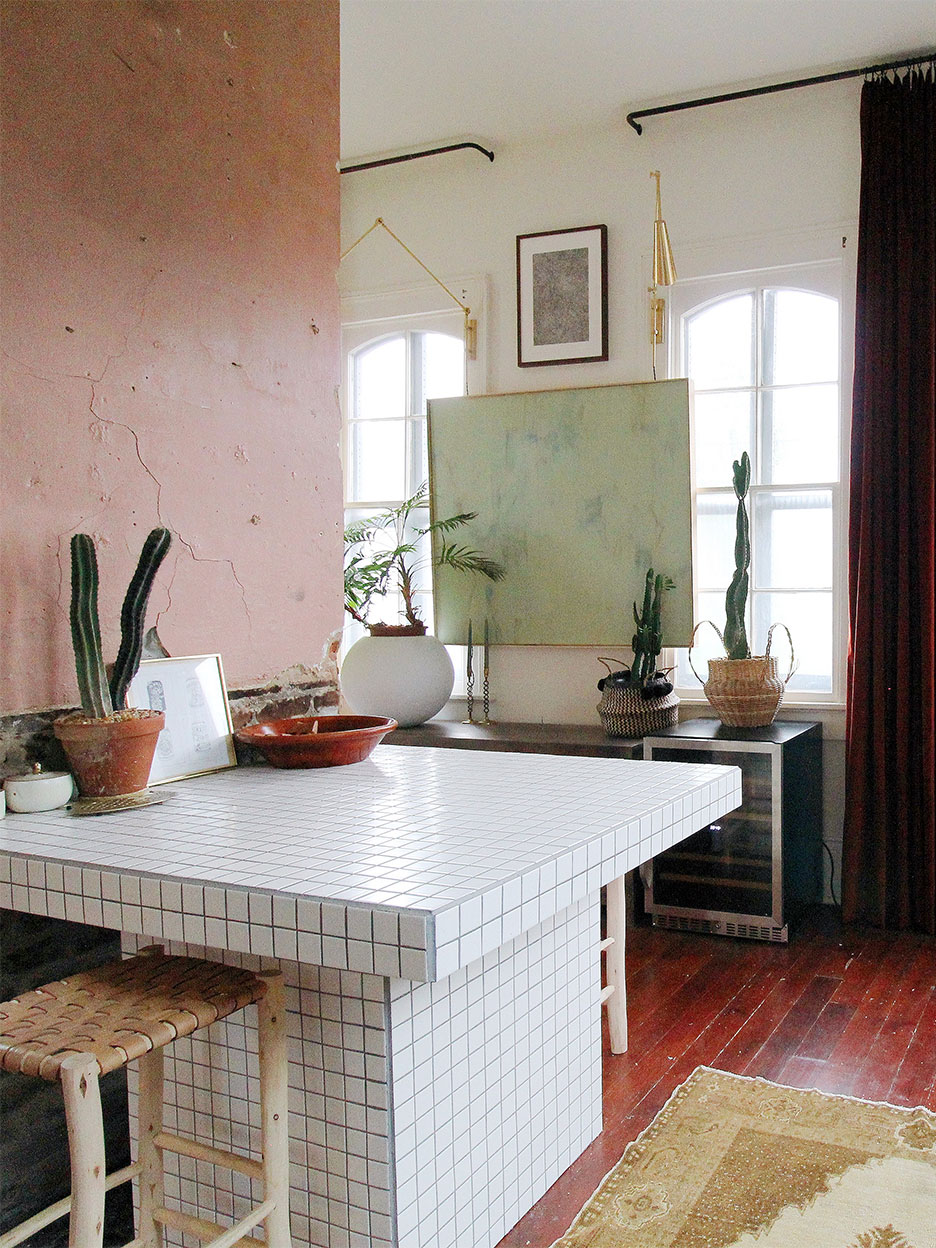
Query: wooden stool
x,y
616,992
79,1028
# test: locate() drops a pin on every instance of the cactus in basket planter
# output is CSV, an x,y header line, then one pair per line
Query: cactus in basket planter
x,y
648,640
646,644
639,699
744,689
736,641
100,697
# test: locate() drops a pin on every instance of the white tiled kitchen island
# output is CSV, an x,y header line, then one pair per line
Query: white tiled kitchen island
x,y
436,913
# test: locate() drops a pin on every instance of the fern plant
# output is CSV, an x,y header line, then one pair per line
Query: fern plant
x,y
382,552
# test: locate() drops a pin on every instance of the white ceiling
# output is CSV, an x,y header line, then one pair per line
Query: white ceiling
x,y
419,72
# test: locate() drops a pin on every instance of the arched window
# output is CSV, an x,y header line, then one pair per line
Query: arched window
x,y
390,379
390,376
763,352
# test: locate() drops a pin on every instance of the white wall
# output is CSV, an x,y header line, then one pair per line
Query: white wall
x,y
767,180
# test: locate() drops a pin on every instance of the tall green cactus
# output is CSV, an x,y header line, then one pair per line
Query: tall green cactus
x,y
99,699
86,630
648,640
736,641
133,613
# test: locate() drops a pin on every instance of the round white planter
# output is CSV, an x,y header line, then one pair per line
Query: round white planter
x,y
409,679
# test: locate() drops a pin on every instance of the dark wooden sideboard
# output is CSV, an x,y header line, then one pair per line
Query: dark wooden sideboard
x,y
587,740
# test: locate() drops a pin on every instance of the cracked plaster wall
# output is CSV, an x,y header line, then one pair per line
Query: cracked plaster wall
x,y
170,327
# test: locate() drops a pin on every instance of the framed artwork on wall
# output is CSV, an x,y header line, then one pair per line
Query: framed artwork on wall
x,y
562,296
197,737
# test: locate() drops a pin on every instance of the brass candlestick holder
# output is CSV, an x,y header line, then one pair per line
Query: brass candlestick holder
x,y
486,677
469,679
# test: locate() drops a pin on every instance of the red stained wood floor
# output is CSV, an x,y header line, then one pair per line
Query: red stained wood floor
x,y
843,1010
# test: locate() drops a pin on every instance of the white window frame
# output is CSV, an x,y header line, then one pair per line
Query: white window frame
x,y
823,262
368,316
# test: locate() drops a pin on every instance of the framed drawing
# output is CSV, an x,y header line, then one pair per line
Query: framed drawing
x,y
198,735
562,296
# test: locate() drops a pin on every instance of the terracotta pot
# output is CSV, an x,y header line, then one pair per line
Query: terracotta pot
x,y
110,757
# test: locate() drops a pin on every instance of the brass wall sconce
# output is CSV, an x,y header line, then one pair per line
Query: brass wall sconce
x,y
663,274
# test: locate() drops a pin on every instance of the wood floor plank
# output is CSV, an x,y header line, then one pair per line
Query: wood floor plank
x,y
915,1078
863,1028
876,1073
783,990
786,1038
824,1034
653,1052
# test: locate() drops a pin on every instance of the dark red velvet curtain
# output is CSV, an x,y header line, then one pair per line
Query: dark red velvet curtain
x,y
890,834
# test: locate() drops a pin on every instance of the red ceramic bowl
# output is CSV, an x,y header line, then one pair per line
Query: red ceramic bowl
x,y
316,740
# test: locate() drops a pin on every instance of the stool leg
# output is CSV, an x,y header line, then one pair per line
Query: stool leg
x,y
149,1233
274,1104
614,965
82,1094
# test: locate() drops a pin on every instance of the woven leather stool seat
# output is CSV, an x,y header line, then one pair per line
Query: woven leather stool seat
x,y
119,1011
77,1029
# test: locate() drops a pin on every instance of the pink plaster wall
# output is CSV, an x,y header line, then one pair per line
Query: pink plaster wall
x,y
170,326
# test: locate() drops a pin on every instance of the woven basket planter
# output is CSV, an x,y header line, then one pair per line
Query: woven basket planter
x,y
624,713
745,693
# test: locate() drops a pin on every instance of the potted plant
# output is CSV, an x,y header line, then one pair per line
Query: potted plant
x,y
399,669
109,746
639,699
744,689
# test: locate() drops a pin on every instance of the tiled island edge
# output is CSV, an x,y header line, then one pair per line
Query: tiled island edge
x,y
422,1115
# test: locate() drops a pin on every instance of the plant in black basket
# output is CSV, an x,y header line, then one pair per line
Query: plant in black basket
x,y
647,643
640,698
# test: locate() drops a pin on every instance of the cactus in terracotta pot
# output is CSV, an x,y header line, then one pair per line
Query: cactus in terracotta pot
x,y
110,748
100,697
93,688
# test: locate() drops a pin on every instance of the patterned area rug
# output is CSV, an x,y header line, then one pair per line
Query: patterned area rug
x,y
731,1162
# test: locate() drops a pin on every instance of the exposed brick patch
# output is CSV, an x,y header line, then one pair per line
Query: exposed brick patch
x,y
28,738
299,690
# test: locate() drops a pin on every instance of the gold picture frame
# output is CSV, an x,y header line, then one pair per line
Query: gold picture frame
x,y
198,737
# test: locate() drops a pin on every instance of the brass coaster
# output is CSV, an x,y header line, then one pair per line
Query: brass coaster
x,y
110,805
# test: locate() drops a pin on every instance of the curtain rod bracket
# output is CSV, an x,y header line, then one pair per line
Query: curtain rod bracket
x,y
751,92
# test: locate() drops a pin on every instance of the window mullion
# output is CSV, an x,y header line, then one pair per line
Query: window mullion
x,y
757,473
408,413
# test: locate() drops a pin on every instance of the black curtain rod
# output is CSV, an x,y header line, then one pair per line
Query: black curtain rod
x,y
431,151
778,86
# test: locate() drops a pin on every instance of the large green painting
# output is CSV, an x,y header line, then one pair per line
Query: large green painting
x,y
577,492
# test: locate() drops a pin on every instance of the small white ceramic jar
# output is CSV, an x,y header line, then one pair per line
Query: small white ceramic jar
x,y
38,790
